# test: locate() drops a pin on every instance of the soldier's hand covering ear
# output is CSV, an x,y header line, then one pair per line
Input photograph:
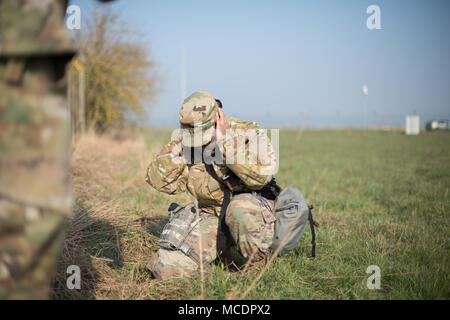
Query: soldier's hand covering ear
x,y
222,124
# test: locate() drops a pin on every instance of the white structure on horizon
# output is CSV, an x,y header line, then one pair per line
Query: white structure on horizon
x,y
412,124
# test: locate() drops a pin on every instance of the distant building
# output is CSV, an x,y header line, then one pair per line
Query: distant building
x,y
412,124
438,125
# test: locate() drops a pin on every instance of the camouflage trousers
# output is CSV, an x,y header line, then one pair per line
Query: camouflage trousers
x,y
250,220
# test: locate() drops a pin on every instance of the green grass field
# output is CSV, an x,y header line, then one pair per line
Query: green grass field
x,y
381,198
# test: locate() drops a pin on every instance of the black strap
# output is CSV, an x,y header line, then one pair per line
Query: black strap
x,y
227,192
212,172
312,224
225,202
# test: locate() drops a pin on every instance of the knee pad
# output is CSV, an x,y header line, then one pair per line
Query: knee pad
x,y
168,264
182,221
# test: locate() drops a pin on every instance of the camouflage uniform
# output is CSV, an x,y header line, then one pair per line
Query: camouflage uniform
x,y
249,216
35,200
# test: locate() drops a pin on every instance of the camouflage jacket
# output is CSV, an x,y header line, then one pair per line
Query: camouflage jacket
x,y
169,171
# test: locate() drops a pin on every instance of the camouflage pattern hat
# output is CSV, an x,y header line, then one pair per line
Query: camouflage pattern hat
x,y
197,119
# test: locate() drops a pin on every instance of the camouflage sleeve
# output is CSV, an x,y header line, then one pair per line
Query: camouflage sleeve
x,y
249,154
168,171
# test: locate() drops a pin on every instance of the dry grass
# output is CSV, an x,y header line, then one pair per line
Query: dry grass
x,y
110,236
98,162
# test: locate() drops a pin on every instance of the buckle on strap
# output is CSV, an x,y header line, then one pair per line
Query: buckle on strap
x,y
186,249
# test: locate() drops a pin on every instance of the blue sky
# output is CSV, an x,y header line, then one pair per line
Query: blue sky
x,y
298,63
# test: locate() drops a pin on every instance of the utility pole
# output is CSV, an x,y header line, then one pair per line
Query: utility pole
x,y
183,75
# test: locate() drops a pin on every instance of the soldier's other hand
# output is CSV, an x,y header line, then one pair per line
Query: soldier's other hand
x,y
222,124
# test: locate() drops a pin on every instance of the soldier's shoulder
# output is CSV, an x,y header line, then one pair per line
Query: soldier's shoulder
x,y
34,27
242,124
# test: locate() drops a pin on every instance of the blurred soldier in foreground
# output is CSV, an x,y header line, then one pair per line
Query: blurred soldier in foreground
x,y
35,201
35,48
240,189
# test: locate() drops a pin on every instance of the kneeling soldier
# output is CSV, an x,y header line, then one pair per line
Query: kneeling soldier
x,y
234,193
